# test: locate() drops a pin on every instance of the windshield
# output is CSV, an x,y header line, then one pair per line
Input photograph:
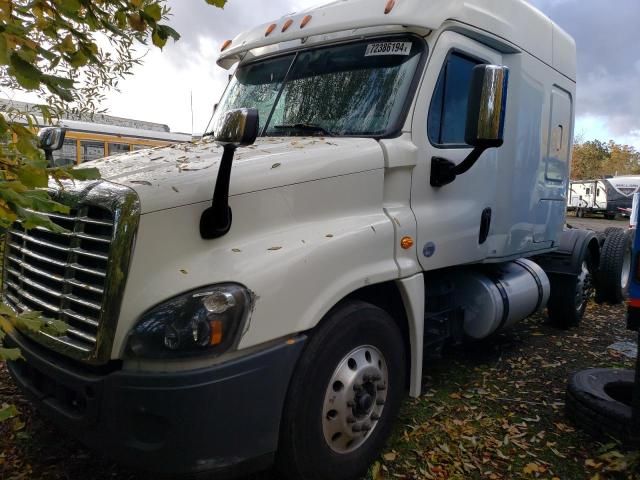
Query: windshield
x,y
357,89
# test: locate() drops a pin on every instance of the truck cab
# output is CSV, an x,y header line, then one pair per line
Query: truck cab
x,y
383,177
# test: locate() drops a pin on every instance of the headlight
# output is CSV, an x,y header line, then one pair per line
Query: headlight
x,y
207,321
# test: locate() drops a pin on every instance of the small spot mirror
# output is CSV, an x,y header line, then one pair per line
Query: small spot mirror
x,y
487,106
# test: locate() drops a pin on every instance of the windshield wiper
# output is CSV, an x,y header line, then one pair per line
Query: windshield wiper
x,y
308,127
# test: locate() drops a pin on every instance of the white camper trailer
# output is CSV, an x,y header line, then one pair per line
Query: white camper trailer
x,y
233,304
609,197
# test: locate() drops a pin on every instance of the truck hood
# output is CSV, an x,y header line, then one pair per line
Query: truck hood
x,y
183,174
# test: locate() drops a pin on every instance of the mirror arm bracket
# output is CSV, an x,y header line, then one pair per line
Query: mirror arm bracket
x,y
444,172
215,221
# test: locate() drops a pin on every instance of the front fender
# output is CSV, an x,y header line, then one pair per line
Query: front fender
x,y
299,248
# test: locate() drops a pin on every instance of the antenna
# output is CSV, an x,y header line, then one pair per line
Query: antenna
x,y
192,132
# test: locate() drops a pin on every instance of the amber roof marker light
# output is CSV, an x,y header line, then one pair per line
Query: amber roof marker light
x,y
305,21
389,6
270,29
225,45
286,25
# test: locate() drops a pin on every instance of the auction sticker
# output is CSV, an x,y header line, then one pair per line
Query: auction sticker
x,y
388,48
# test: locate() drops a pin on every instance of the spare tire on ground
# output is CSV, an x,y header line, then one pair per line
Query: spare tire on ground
x,y
615,267
598,401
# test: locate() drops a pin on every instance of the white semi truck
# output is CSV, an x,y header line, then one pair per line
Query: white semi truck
x,y
383,177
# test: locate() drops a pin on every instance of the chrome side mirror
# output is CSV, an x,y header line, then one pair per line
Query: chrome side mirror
x,y
237,128
234,129
51,138
486,112
487,106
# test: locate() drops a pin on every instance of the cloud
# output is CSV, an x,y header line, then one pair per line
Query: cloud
x,y
607,38
160,90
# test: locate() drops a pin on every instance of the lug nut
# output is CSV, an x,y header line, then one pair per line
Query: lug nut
x,y
366,428
376,378
379,402
375,417
381,387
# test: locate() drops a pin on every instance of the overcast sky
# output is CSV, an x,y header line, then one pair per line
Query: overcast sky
x,y
607,34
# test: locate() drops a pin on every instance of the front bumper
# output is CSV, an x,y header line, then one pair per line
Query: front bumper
x,y
223,418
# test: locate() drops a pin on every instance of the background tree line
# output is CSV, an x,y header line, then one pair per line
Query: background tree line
x,y
595,159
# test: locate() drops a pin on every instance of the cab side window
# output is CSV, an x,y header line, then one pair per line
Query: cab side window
x,y
448,111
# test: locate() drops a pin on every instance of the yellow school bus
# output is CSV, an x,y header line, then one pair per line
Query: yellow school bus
x,y
86,141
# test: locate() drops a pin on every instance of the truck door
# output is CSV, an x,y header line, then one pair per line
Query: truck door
x,y
452,219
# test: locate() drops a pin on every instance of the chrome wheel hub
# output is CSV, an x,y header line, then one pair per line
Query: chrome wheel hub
x,y
354,399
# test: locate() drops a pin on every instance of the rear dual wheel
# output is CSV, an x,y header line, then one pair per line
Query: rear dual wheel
x,y
345,393
614,271
570,294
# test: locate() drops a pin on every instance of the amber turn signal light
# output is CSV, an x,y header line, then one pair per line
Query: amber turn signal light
x,y
406,243
215,337
225,45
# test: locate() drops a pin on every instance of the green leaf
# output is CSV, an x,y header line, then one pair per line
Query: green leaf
x,y
26,145
41,202
154,11
4,50
217,3
26,74
31,321
62,93
165,32
6,311
85,173
31,220
78,59
33,177
70,6
157,39
4,126
61,81
8,411
8,354
55,327
28,55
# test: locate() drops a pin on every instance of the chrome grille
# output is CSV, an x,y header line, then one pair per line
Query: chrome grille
x,y
63,275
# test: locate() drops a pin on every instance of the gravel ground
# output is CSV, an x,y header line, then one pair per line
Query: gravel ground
x,y
490,410
596,223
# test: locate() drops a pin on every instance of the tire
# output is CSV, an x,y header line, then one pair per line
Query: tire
x,y
324,433
609,230
614,271
570,295
591,405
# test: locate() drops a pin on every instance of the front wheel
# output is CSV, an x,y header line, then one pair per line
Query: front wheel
x,y
344,396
